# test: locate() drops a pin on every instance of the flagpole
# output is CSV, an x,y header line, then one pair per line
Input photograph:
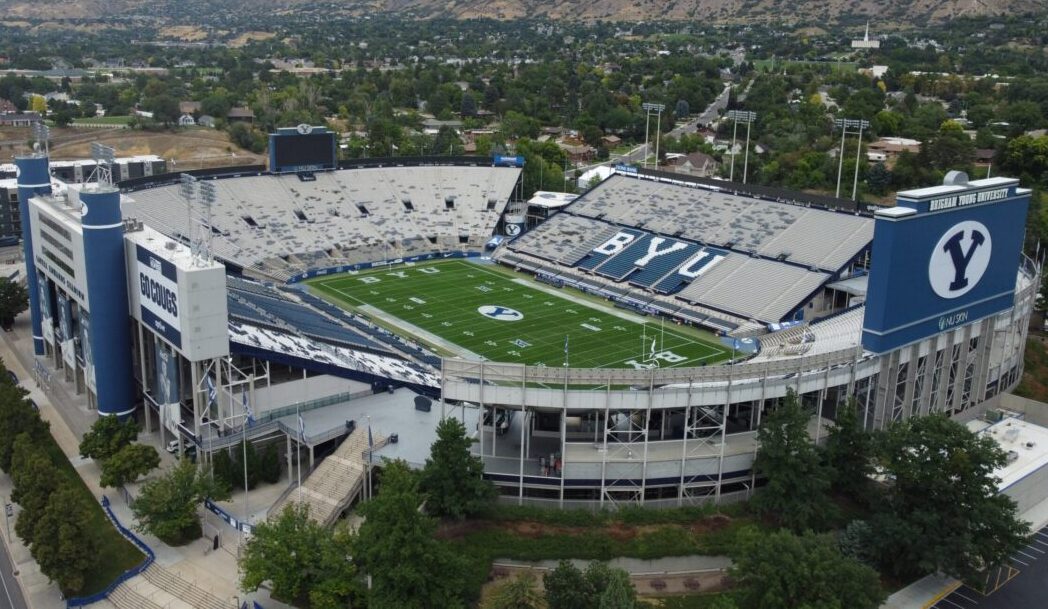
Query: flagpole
x,y
243,526
371,489
298,457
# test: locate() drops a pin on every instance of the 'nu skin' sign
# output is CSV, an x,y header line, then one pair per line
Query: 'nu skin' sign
x,y
943,257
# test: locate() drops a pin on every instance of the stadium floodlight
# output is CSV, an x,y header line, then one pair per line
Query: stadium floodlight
x,y
187,186
854,126
746,117
41,136
648,109
104,157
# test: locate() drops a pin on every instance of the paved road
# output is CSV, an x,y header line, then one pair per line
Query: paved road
x,y
1027,590
711,112
10,592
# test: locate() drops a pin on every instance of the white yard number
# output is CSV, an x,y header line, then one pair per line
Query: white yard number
x,y
666,356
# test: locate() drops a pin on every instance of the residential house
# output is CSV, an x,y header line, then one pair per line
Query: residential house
x,y
240,114
697,164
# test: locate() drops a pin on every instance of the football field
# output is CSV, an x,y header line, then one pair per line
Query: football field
x,y
477,311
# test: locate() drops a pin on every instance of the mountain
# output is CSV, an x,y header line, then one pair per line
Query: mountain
x,y
917,12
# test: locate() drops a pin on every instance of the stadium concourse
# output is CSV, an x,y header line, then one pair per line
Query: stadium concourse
x,y
624,350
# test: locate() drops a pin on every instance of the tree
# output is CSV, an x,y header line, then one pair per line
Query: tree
x,y
516,593
879,179
62,543
785,571
944,512
566,587
128,464
298,556
452,479
795,495
409,567
849,451
107,436
618,593
17,416
35,479
164,108
682,109
569,588
14,299
469,105
269,465
167,506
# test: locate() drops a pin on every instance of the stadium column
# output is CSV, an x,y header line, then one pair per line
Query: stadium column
x,y
106,289
34,178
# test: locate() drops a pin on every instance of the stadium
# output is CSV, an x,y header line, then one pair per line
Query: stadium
x,y
624,350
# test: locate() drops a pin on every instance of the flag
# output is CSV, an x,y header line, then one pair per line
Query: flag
x,y
301,427
653,348
371,439
247,409
212,393
565,344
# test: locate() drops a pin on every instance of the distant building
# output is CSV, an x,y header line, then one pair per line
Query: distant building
x,y
695,164
886,149
577,151
186,120
240,114
866,43
7,106
19,119
206,120
611,141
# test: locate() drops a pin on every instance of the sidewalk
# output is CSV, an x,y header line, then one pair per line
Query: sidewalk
x,y
69,416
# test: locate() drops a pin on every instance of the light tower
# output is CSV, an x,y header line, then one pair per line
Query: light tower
x,y
648,109
854,126
746,117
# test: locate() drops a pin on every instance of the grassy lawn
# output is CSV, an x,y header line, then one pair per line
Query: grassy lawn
x,y
114,553
103,120
480,310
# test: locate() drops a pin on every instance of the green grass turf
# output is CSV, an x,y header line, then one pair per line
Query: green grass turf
x,y
443,298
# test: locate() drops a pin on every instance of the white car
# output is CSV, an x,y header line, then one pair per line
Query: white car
x,y
172,446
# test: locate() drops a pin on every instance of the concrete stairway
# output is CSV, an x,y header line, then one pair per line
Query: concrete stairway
x,y
336,482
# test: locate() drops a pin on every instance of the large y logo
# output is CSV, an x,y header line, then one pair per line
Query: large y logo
x,y
959,259
500,313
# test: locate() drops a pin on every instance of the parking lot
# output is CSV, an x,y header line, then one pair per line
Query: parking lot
x,y
1026,590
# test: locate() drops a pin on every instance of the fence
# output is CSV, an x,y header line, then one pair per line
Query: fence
x,y
81,601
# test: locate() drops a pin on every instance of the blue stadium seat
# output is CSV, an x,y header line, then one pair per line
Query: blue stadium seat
x,y
661,265
275,304
594,259
674,282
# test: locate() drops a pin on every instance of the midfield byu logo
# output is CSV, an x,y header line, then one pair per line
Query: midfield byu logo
x,y
959,259
500,313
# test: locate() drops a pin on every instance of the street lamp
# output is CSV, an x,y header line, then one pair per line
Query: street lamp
x,y
747,117
648,109
855,126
